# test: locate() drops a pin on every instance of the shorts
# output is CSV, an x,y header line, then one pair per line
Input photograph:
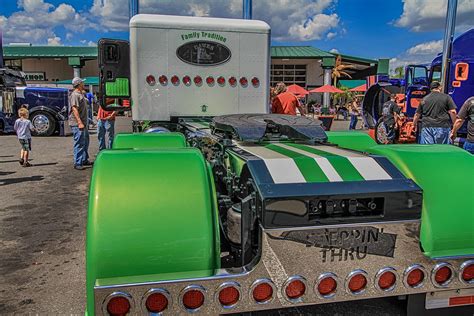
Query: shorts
x,y
25,144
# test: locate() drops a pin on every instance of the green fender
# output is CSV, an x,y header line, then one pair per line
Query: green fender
x,y
152,216
149,141
445,173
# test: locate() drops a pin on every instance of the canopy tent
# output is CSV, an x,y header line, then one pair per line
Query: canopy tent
x,y
326,88
297,90
361,88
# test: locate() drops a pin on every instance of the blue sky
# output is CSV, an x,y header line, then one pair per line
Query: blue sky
x,y
406,31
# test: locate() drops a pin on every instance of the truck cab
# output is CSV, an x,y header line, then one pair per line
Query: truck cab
x,y
47,106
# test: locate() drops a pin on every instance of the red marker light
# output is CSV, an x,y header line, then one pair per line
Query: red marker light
x,y
387,280
221,81
163,79
150,79
198,80
295,289
175,80
193,299
255,82
232,81
118,306
229,296
415,277
156,303
187,80
262,293
327,286
443,275
357,283
210,80
468,272
244,82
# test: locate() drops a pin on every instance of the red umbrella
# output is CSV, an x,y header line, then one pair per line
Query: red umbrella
x,y
297,90
326,88
361,88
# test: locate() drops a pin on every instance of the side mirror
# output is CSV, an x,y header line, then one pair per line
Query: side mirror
x,y
114,75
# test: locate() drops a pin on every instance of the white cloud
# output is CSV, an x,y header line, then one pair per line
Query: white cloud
x,y
37,20
334,50
428,48
54,41
91,43
422,53
429,15
289,19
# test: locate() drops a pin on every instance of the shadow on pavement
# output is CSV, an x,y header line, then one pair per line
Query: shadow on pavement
x,y
45,164
6,173
5,161
6,156
20,180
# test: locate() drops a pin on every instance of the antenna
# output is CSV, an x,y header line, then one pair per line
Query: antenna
x,y
448,42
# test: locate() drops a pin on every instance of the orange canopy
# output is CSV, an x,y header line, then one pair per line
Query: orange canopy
x,y
361,88
297,90
326,88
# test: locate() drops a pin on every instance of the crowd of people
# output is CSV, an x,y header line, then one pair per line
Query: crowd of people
x,y
436,113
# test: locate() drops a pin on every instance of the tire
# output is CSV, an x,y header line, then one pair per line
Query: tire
x,y
381,133
44,123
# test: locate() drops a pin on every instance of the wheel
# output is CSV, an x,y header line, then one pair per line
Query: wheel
x,y
44,123
381,133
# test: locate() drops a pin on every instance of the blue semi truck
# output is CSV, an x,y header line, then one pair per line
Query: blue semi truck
x,y
48,107
415,85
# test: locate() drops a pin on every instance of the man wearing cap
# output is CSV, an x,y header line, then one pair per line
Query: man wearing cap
x,y
78,115
437,112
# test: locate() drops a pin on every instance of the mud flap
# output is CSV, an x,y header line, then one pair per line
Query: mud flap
x,y
417,307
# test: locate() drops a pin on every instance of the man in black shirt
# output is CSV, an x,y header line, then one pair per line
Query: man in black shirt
x,y
390,111
466,112
437,112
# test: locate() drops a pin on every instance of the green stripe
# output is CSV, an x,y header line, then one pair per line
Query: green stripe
x,y
342,165
308,166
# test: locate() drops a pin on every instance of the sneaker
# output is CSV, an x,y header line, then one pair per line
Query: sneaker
x,y
22,161
87,163
78,167
27,164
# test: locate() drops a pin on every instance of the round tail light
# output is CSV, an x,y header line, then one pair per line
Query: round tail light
x,y
295,288
118,306
327,285
150,79
386,279
187,80
414,276
193,298
232,81
243,81
221,80
357,282
156,302
175,80
163,79
262,291
442,274
210,80
255,82
229,294
197,80
467,272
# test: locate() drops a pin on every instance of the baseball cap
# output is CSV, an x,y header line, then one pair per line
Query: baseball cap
x,y
435,85
77,81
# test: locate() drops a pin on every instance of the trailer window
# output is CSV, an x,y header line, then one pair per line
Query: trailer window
x,y
461,71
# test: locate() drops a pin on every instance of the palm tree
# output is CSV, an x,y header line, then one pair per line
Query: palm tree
x,y
338,70
399,72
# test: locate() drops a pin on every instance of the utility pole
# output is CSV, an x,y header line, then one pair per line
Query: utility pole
x,y
247,9
448,42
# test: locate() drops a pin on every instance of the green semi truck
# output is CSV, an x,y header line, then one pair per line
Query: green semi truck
x,y
214,206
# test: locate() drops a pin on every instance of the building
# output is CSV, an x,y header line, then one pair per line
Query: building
x,y
306,66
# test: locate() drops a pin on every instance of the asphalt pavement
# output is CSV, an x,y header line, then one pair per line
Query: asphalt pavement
x,y
43,212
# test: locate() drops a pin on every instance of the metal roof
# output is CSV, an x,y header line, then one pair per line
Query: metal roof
x,y
298,52
356,59
49,51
